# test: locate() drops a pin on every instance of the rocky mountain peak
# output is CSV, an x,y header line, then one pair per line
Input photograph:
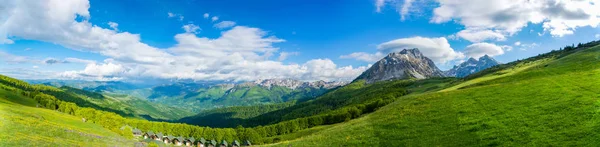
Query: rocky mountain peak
x,y
408,63
471,66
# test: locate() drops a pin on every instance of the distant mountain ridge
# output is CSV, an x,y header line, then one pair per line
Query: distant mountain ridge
x,y
408,63
471,66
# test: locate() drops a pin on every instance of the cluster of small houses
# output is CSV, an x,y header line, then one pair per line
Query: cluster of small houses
x,y
181,141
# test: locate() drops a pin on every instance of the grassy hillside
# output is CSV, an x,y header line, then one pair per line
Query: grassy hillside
x,y
202,97
549,101
22,124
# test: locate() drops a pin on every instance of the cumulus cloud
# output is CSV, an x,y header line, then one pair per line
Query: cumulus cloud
x,y
285,55
480,49
191,28
224,24
113,25
362,56
597,36
206,15
508,17
240,53
214,18
437,49
518,43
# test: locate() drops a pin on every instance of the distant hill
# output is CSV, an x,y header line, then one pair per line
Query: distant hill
x,y
406,64
269,91
471,66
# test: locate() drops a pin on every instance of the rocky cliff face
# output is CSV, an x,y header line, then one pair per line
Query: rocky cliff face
x,y
408,63
471,66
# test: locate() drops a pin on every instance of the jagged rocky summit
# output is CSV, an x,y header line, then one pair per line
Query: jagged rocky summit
x,y
471,66
289,83
406,64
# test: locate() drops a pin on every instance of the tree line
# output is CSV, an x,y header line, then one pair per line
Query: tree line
x,y
51,98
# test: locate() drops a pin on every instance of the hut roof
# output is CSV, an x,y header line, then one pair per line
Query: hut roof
x,y
180,138
236,143
191,139
159,135
150,133
170,137
247,143
136,130
213,142
224,142
202,140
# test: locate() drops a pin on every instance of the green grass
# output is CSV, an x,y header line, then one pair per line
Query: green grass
x,y
548,102
22,124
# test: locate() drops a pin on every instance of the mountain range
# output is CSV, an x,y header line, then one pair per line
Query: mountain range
x,y
471,66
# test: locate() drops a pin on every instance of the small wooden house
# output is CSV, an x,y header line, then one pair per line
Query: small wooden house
x,y
212,143
178,141
235,143
247,143
159,136
149,134
190,141
168,139
137,132
223,144
201,142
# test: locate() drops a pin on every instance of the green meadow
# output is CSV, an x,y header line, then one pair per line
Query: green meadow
x,y
554,101
22,124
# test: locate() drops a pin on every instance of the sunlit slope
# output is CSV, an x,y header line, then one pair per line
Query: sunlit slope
x,y
22,124
547,102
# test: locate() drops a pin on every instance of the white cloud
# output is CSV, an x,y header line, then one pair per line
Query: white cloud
x,y
480,49
480,35
172,15
437,49
113,25
285,55
35,67
224,24
507,48
77,60
403,9
10,58
206,15
597,35
191,28
528,46
518,43
214,18
378,5
508,17
362,56
241,53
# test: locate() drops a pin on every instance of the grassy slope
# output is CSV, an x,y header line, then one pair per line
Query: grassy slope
x,y
21,124
141,107
552,102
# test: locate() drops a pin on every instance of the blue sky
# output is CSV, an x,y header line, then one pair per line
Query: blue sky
x,y
307,40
